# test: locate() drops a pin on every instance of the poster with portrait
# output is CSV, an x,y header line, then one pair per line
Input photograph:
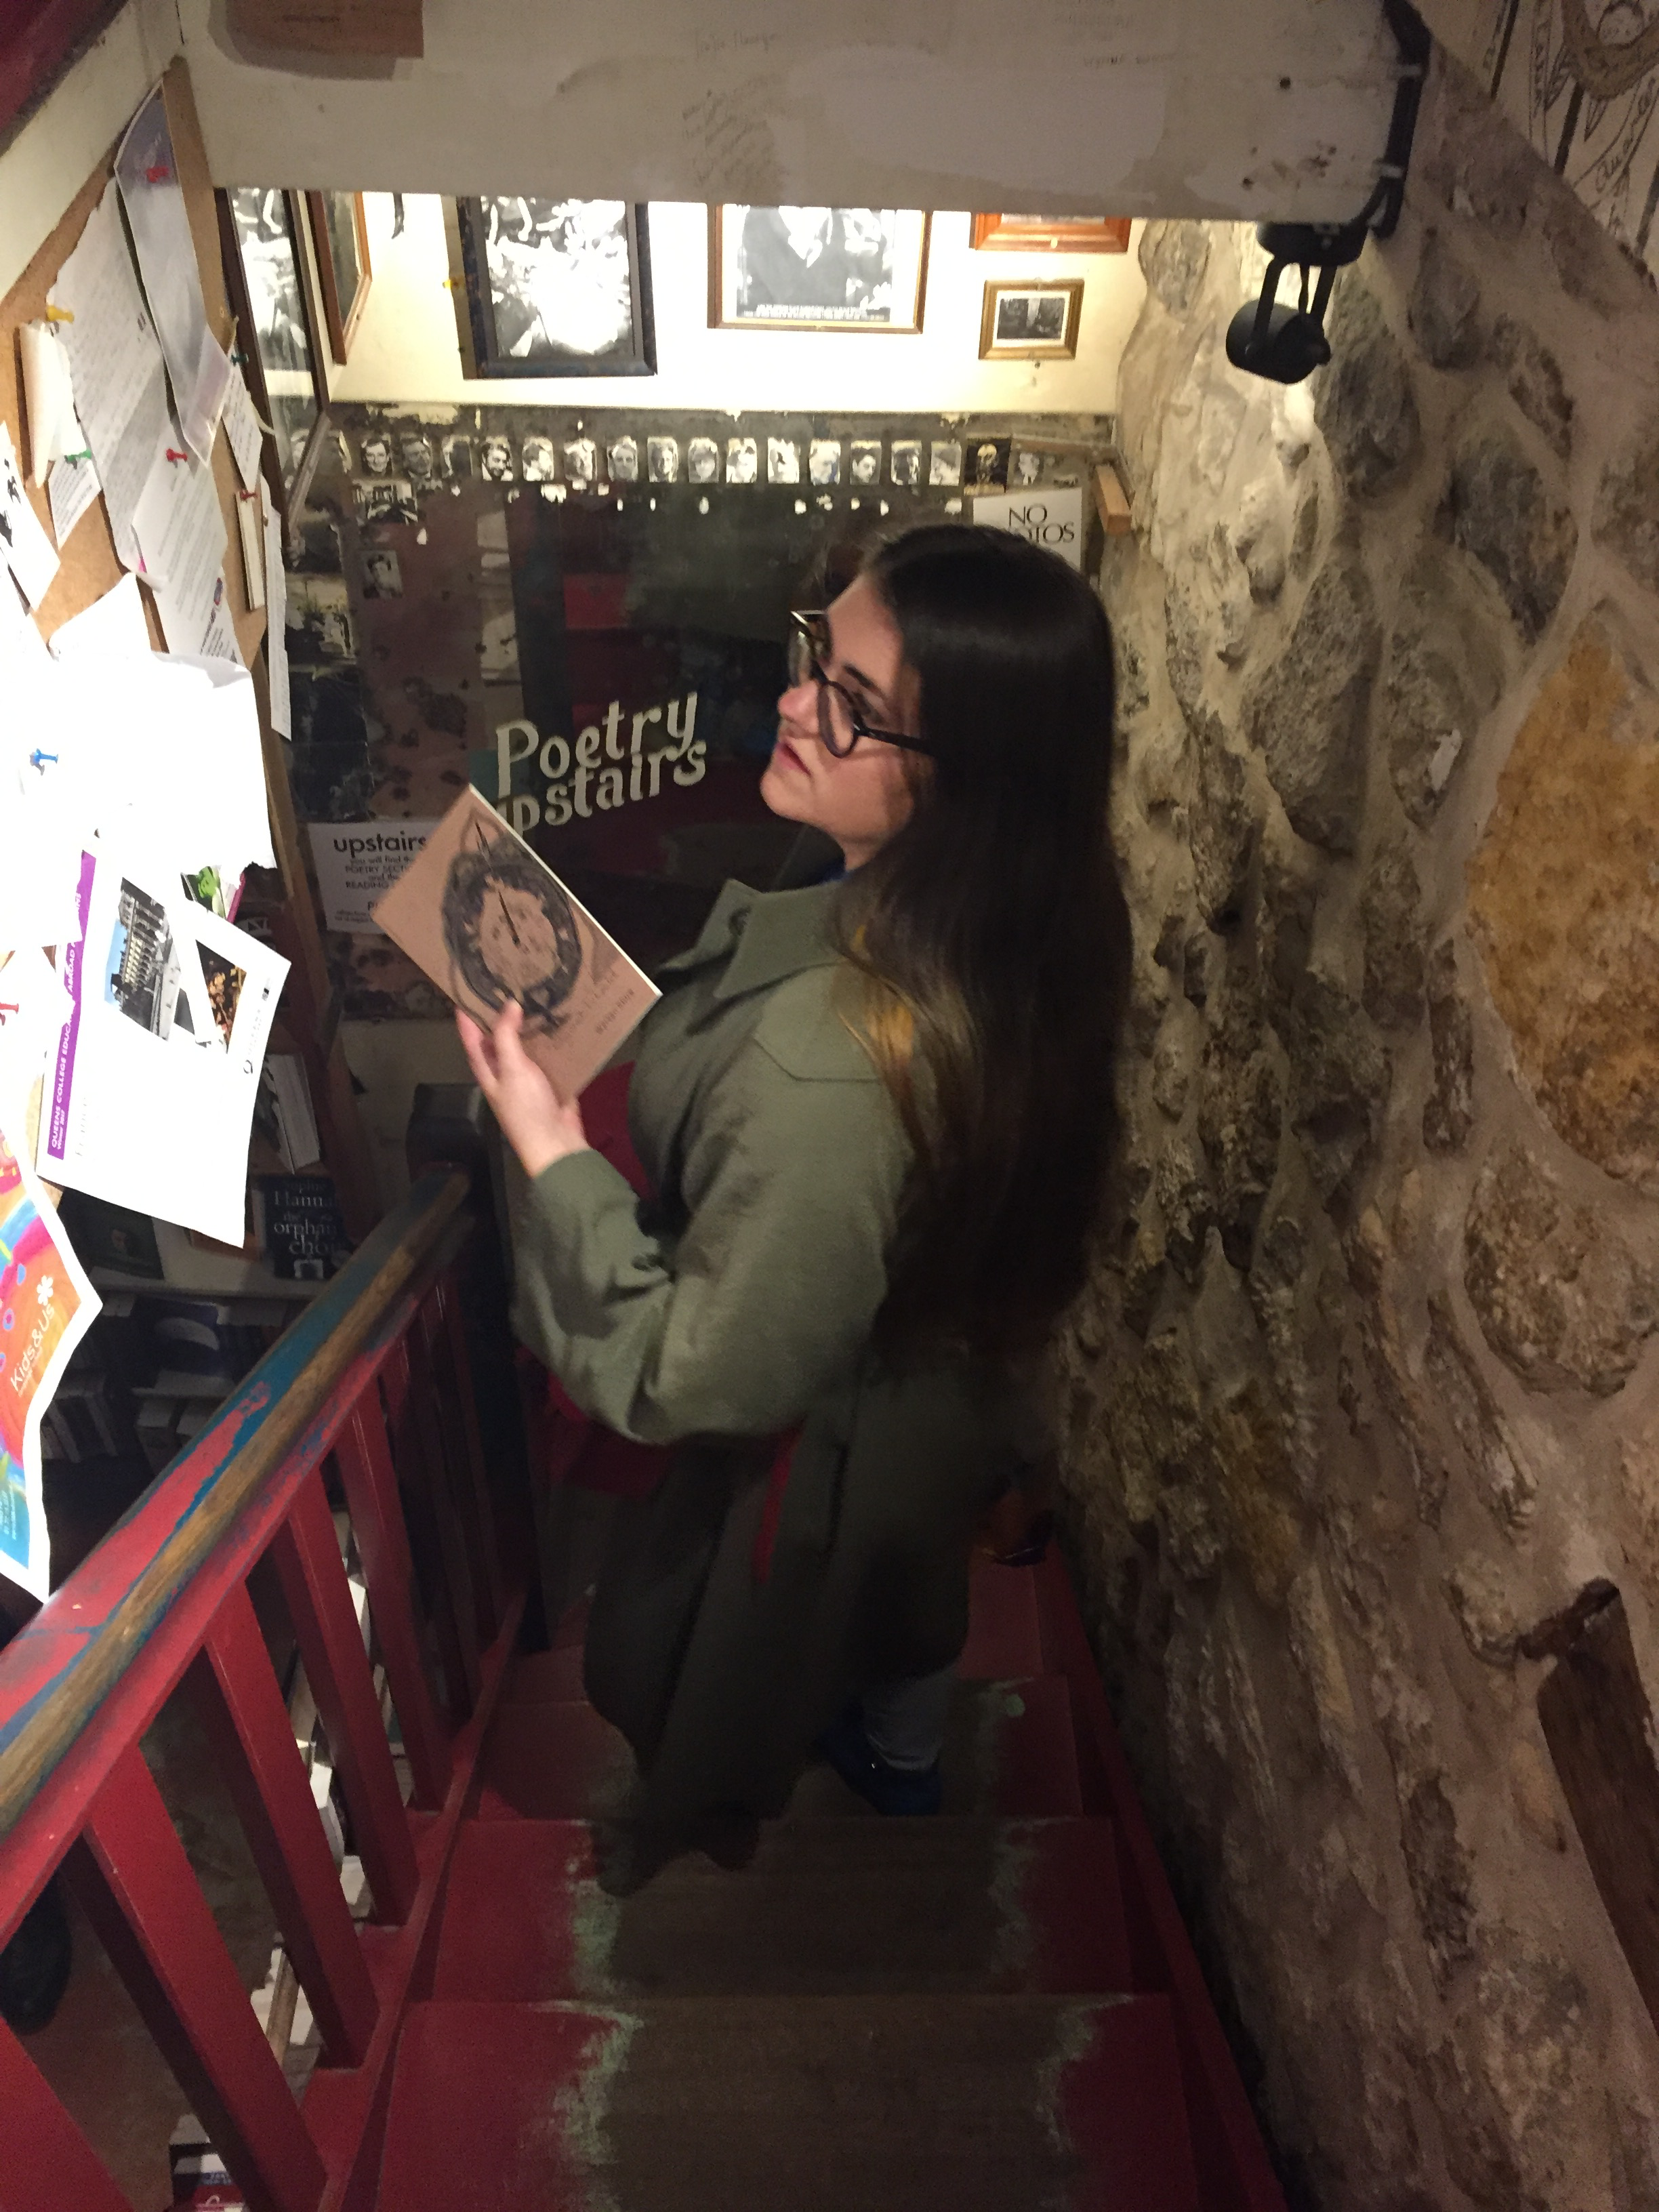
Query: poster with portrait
x,y
816,269
266,274
555,287
487,921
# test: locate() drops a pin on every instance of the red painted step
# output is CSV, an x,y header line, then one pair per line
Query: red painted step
x,y
1009,1753
827,2104
831,1906
1004,1627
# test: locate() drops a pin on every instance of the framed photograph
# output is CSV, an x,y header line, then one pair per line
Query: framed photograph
x,y
944,462
259,230
339,237
823,461
782,461
555,287
1031,322
816,269
904,463
742,460
1050,233
662,457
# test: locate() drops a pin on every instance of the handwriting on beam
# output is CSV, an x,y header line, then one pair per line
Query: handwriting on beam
x,y
389,28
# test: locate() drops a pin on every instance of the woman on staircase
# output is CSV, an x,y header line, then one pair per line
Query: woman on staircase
x,y
876,1112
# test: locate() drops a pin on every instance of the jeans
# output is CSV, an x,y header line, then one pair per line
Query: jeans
x,y
905,1720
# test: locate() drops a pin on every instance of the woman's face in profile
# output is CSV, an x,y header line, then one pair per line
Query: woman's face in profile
x,y
516,937
862,798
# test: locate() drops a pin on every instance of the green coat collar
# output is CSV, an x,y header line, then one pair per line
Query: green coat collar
x,y
763,937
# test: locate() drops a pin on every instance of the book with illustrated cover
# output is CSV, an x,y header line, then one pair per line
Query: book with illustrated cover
x,y
487,921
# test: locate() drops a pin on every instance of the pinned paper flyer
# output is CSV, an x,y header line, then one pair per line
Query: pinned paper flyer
x,y
24,545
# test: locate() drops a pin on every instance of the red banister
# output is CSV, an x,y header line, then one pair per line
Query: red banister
x,y
375,1373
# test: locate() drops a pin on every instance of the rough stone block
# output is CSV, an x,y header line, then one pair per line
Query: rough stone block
x,y
1445,300
1308,713
1626,517
1339,1075
1560,1295
1224,821
1174,257
1448,1110
1363,402
1536,382
1561,894
1460,1392
1391,922
1515,525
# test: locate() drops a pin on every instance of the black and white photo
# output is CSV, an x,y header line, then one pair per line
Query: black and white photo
x,y
1031,322
275,307
864,461
824,462
496,460
536,461
816,268
703,460
623,459
742,460
556,288
904,463
944,462
581,460
663,459
782,461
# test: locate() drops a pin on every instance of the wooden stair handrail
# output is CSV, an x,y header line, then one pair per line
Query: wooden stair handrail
x,y
55,1675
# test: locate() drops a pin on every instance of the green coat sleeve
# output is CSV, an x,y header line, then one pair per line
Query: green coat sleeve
x,y
791,1182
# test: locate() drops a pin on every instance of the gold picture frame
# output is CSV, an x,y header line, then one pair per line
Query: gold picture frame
x,y
1026,321
871,266
1044,233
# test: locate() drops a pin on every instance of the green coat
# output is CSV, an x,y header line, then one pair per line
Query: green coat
x,y
730,1308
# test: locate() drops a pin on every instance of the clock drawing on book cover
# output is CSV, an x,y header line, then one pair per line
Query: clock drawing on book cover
x,y
510,930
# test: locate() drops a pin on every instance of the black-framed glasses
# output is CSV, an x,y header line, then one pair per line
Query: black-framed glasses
x,y
841,724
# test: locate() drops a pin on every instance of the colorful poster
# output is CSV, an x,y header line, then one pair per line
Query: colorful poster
x,y
46,1305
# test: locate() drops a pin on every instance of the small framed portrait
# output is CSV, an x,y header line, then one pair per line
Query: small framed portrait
x,y
1027,468
375,451
742,460
495,462
944,462
414,452
662,460
904,463
1031,322
383,574
864,461
987,464
318,622
339,237
782,461
458,458
823,461
581,460
385,499
536,461
259,227
554,288
623,459
703,460
816,269
1050,233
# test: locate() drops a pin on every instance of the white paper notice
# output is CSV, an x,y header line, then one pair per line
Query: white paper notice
x,y
70,490
120,380
1052,518
198,365
356,861
42,854
151,1094
181,537
282,710
24,545
245,433
48,398
33,1008
111,628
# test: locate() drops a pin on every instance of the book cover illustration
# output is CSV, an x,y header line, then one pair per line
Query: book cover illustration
x,y
487,921
46,1305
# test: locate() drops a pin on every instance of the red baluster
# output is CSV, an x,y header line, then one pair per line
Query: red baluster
x,y
370,1482
135,1883
46,2162
308,1559
419,1457
463,1455
242,1709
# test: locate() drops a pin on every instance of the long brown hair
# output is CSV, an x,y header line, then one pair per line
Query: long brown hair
x,y
992,942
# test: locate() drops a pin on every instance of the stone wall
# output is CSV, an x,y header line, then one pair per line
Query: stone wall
x,y
1367,1382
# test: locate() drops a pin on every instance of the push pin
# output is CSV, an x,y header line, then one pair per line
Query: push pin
x,y
59,315
37,759
6,1008
157,174
172,456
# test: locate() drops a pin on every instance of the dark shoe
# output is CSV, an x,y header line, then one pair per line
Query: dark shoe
x,y
896,1790
34,1967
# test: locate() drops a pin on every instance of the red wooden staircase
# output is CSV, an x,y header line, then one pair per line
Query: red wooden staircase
x,y
950,2013
995,2009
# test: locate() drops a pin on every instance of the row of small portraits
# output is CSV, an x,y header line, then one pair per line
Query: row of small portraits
x,y
584,461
